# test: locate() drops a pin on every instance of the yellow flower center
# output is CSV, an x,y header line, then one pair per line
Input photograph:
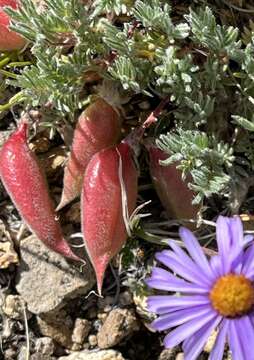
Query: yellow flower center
x,y
232,295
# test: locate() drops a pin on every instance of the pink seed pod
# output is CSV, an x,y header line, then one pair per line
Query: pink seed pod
x,y
98,127
9,40
27,187
102,215
173,192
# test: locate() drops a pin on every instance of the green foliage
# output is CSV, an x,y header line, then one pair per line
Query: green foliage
x,y
150,47
206,159
216,38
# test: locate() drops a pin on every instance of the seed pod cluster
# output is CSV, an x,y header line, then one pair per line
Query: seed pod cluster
x,y
98,166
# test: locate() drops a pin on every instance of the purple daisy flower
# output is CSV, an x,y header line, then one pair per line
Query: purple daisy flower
x,y
216,294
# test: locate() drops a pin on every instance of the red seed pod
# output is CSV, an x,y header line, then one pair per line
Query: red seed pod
x,y
102,218
9,40
27,187
98,127
173,192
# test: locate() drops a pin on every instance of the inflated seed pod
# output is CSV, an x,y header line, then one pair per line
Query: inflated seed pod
x,y
9,40
27,187
98,127
102,216
173,192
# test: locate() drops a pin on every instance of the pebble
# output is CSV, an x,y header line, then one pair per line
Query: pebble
x,y
119,324
81,330
92,339
44,345
168,354
102,316
14,307
56,329
180,356
94,355
47,281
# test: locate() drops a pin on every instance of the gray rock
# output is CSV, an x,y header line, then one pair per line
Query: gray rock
x,y
39,356
92,339
56,329
81,330
91,355
120,324
168,354
44,346
180,356
14,307
46,280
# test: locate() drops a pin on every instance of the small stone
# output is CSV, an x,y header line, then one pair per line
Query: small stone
x,y
45,346
180,356
55,329
125,298
38,356
81,330
102,316
94,355
46,280
168,354
40,145
92,339
107,308
10,354
76,347
22,353
8,255
119,324
14,307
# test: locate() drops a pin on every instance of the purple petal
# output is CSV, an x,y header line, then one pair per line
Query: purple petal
x,y
161,274
216,266
184,331
179,255
182,257
246,334
167,321
248,262
195,251
237,243
176,285
218,349
200,338
236,231
168,258
224,242
161,304
234,341
247,240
